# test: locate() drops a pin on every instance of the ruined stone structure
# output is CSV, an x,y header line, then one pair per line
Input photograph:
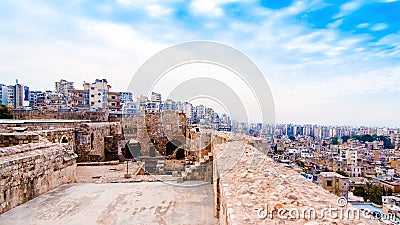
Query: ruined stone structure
x,y
38,156
30,169
157,130
91,141
98,141
11,139
101,115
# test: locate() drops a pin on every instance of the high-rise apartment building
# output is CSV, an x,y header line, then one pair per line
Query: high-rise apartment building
x,y
64,87
97,95
3,94
16,95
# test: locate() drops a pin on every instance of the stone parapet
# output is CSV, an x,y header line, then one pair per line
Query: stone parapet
x,y
29,170
11,139
247,182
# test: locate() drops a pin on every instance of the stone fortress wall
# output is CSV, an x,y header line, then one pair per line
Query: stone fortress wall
x,y
101,115
246,180
32,168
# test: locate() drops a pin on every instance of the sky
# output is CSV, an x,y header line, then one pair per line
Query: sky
x,y
327,62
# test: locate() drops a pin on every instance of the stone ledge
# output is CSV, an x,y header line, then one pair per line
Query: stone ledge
x,y
254,182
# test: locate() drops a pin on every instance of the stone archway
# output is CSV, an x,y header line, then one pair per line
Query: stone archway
x,y
171,147
64,139
132,149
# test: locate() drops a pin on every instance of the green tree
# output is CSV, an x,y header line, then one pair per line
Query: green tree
x,y
374,193
5,112
345,138
387,143
334,140
359,191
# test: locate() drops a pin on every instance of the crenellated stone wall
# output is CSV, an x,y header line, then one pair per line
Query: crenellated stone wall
x,y
28,170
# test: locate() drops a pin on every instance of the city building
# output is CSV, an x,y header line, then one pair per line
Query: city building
x,y
3,94
114,101
96,96
126,97
55,101
37,99
187,109
391,205
64,87
335,183
16,95
155,97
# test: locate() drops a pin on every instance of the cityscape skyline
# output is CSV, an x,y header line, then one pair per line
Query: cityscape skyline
x,y
326,63
64,86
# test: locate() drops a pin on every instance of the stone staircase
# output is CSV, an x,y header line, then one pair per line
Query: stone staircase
x,y
201,170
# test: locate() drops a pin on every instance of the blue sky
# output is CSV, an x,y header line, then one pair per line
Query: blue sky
x,y
327,62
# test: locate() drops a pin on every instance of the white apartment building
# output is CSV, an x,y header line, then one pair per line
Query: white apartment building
x,y
98,92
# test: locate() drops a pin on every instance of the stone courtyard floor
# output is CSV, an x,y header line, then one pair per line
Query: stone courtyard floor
x,y
117,203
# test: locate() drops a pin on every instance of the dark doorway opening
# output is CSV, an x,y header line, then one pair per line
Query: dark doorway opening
x,y
132,149
152,151
180,154
64,139
172,146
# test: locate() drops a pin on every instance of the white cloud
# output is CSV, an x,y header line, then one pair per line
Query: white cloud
x,y
348,7
379,27
325,97
155,10
100,50
210,8
391,39
206,7
308,69
362,25
335,24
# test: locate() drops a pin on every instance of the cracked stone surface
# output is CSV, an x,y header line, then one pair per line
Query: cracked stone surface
x,y
127,203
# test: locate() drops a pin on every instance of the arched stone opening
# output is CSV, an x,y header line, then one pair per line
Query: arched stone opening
x,y
172,146
132,149
64,139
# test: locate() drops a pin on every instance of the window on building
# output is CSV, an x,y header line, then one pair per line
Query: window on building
x,y
329,183
112,97
99,94
92,88
92,96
